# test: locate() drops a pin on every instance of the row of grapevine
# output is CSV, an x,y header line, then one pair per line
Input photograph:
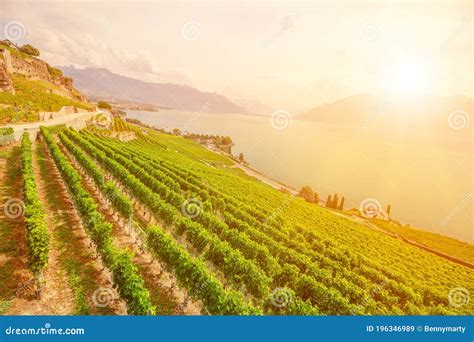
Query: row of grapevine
x,y
261,254
37,237
298,241
236,267
321,251
218,251
191,272
112,193
396,276
398,284
119,262
201,238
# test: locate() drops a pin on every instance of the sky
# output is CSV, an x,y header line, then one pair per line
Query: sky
x,y
289,55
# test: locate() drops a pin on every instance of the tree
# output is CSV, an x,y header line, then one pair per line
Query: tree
x,y
176,131
308,194
335,202
341,206
30,50
241,157
329,201
104,105
226,141
389,209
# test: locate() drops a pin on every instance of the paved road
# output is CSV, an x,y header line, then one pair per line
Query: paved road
x,y
58,121
71,120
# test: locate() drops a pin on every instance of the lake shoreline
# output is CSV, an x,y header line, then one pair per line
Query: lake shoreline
x,y
367,165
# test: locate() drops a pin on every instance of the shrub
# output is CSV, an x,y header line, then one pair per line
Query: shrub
x,y
104,105
30,50
55,72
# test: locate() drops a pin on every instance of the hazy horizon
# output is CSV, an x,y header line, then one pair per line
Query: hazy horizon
x,y
288,56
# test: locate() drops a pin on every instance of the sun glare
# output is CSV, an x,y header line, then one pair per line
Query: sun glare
x,y
407,76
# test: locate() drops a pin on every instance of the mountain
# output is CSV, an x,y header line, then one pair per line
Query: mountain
x,y
439,120
99,82
360,108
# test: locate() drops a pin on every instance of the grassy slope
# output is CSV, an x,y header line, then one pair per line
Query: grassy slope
x,y
416,267
31,97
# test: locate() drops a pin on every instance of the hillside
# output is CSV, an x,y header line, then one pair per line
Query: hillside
x,y
29,86
179,230
99,82
415,114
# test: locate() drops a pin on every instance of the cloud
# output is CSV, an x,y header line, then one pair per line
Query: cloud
x,y
87,50
78,41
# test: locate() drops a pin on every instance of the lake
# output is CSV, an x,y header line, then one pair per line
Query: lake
x,y
428,185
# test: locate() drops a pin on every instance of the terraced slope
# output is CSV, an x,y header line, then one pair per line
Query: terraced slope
x,y
266,244
168,227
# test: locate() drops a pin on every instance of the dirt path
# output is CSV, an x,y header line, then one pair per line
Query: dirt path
x,y
73,273
16,282
165,294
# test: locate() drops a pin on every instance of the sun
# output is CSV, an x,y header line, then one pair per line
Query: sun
x,y
407,79
407,76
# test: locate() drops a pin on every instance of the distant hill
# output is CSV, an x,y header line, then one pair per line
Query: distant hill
x,y
439,116
360,108
99,82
